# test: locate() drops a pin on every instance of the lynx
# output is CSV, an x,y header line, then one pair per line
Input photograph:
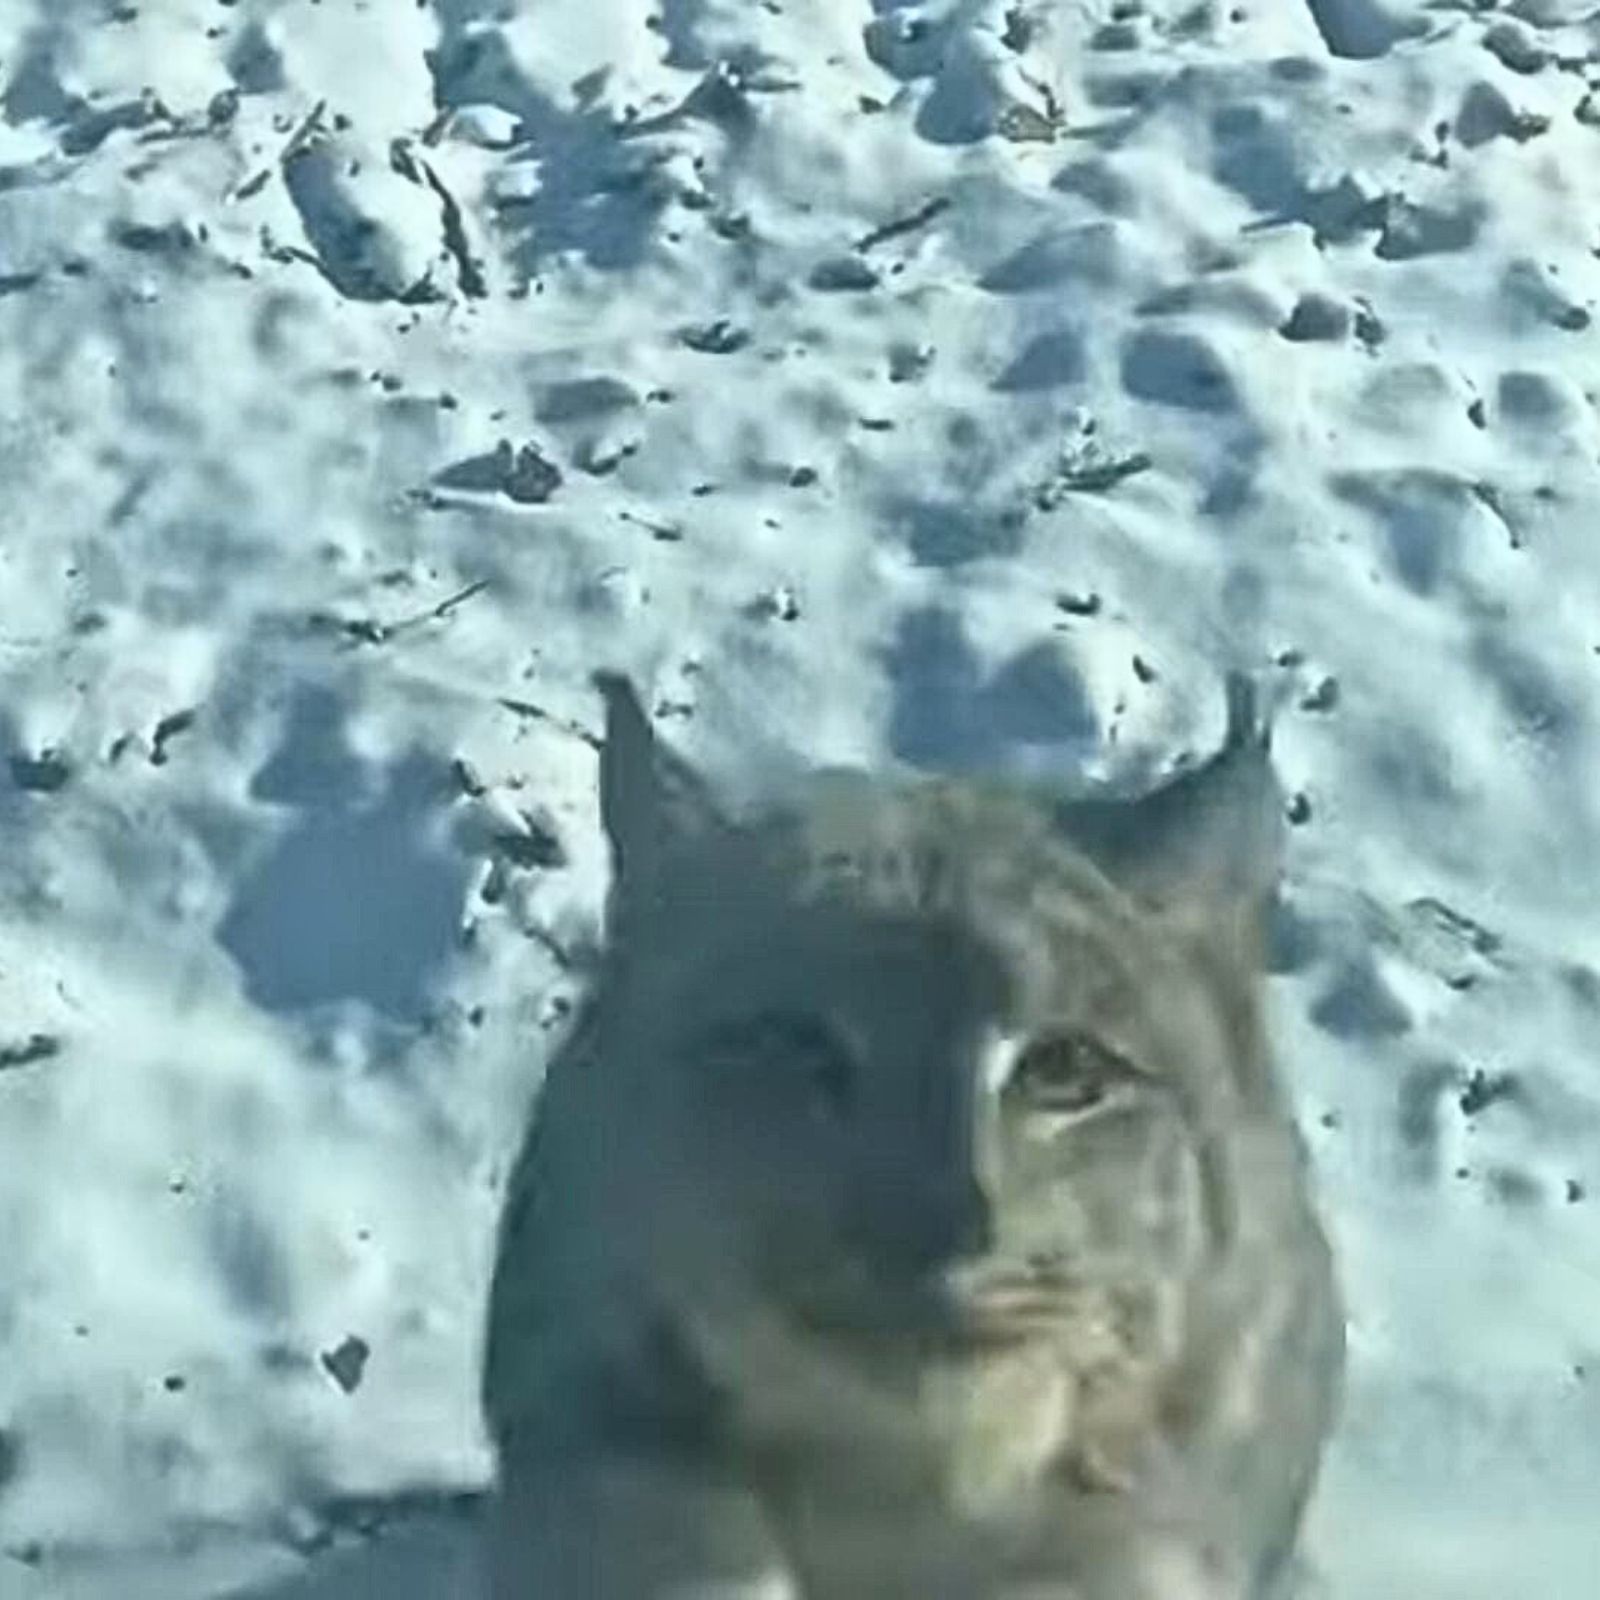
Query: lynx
x,y
913,1211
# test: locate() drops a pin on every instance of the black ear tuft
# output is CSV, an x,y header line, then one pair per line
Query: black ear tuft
x,y
1213,832
649,797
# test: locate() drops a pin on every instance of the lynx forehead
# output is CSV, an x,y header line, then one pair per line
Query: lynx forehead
x,y
914,1210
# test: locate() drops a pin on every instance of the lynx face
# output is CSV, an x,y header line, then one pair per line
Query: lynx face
x,y
901,1135
922,1137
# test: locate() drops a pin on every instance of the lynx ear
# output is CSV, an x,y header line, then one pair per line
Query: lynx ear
x,y
650,798
1214,832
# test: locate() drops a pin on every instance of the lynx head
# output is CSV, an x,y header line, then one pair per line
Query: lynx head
x,y
901,1084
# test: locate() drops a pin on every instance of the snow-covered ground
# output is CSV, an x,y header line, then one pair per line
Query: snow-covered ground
x,y
961,384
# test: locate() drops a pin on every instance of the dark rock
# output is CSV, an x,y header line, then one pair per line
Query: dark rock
x,y
719,338
28,1052
842,274
1511,45
1482,1091
537,846
1316,319
530,478
46,773
1324,696
347,1363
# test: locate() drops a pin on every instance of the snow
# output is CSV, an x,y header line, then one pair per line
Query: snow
x,y
906,372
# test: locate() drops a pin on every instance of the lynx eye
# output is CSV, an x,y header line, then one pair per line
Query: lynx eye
x,y
1070,1075
770,1047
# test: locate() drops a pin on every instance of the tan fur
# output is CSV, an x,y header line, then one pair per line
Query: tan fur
x,y
716,1353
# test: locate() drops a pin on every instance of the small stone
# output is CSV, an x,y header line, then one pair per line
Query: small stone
x,y
779,605
1316,319
29,1052
1575,1191
1017,34
530,478
1298,810
1322,697
843,274
347,1363
1482,1091
167,729
601,457
1512,47
1089,471
1478,414
1020,123
719,338
1086,604
908,362
46,773
495,883
174,1383
467,779
538,845
802,477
